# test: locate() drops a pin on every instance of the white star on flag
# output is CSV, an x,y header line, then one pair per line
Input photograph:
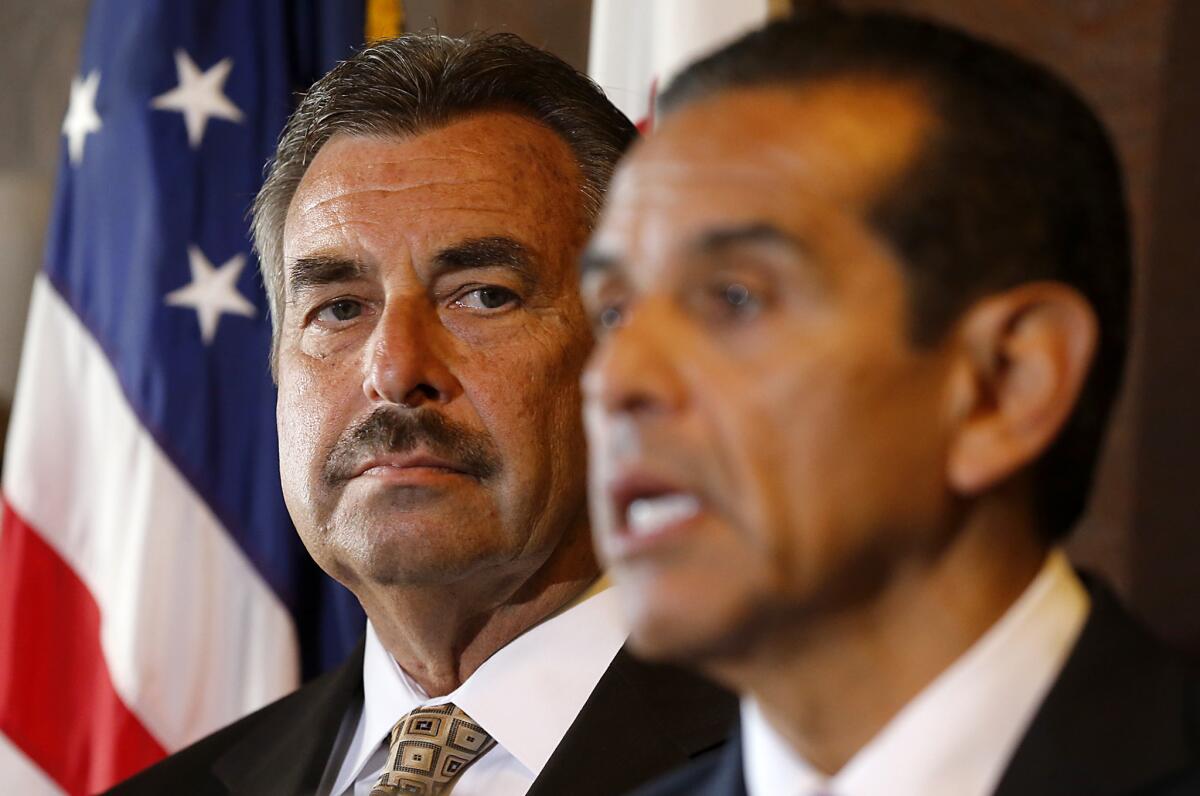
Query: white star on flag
x,y
199,95
81,114
212,291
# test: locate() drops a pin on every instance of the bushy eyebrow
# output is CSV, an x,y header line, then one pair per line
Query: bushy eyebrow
x,y
597,261
308,273
488,252
707,243
714,241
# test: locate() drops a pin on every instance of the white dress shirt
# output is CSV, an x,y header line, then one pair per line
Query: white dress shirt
x,y
956,737
526,696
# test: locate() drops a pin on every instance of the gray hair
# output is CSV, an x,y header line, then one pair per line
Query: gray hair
x,y
419,82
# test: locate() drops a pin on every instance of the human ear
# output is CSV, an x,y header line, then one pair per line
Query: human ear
x,y
1023,358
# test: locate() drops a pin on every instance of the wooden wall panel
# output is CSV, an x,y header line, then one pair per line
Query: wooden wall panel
x,y
1165,550
560,26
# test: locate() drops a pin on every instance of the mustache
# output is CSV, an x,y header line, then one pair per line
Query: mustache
x,y
388,430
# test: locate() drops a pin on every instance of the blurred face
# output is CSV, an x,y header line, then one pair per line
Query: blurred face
x,y
431,348
766,445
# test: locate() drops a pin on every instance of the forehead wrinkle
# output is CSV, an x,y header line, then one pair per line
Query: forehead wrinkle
x,y
339,194
390,171
454,153
447,148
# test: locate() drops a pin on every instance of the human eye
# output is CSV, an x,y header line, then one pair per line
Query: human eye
x,y
607,316
606,302
733,298
487,298
338,311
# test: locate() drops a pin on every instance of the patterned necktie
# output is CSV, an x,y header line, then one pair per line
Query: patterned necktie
x,y
429,748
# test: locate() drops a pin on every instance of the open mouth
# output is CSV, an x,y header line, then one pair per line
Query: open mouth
x,y
653,515
646,506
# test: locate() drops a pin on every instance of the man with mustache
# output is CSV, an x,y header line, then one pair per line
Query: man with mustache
x,y
419,233
863,301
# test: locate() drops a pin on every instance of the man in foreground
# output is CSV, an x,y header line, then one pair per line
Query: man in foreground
x,y
419,232
862,307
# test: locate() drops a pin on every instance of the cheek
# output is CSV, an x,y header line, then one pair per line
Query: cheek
x,y
564,396
831,456
307,416
335,348
527,396
793,444
532,384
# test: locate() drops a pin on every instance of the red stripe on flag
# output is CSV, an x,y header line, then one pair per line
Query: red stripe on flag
x,y
646,123
57,701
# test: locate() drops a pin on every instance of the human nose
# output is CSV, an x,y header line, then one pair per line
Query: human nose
x,y
634,369
406,364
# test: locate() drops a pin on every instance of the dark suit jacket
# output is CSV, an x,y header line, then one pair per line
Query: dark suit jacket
x,y
1123,719
641,721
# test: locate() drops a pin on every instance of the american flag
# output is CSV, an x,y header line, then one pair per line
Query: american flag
x,y
152,588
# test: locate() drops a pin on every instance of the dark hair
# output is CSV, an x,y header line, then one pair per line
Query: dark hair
x,y
419,82
1018,182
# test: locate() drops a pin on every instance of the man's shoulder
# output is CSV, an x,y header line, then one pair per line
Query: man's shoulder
x,y
1123,715
1161,685
194,769
717,772
641,721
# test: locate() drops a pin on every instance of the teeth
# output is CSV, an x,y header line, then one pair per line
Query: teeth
x,y
650,515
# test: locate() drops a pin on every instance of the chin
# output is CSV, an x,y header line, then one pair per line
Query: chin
x,y
407,554
663,640
395,565
685,627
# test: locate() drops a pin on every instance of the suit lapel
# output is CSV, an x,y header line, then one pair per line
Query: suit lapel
x,y
288,753
641,721
729,776
1116,720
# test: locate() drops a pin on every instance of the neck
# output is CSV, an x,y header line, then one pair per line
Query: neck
x,y
440,634
828,688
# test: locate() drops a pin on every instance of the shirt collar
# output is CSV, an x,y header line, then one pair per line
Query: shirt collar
x,y
955,737
526,695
